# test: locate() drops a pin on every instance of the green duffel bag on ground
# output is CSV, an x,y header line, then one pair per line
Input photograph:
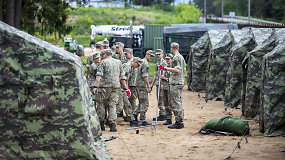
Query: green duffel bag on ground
x,y
227,126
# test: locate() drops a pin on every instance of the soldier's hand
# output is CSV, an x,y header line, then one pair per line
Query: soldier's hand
x,y
128,91
94,90
149,89
161,67
162,77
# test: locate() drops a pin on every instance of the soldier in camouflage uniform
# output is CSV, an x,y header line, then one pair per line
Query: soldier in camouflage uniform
x,y
176,81
109,74
166,94
143,88
105,44
124,102
160,61
90,59
132,82
93,69
120,53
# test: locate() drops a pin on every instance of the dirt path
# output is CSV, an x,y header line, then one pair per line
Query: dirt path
x,y
167,144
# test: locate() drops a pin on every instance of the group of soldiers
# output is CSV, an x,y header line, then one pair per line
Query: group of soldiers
x,y
117,79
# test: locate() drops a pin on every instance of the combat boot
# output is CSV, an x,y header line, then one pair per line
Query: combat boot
x,y
134,123
113,127
160,118
145,123
167,122
120,114
102,126
126,119
136,117
177,125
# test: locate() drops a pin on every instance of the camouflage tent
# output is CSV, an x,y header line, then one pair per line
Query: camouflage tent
x,y
237,54
272,115
46,109
252,74
199,53
218,65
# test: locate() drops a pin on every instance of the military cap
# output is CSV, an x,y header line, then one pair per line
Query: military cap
x,y
175,45
150,52
138,60
96,54
105,42
119,44
169,56
158,51
128,50
98,44
107,51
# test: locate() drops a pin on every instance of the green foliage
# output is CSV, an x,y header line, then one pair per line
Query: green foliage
x,y
187,13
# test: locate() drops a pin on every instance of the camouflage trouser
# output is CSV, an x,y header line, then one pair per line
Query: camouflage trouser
x,y
125,104
175,93
160,102
166,101
143,102
133,97
106,100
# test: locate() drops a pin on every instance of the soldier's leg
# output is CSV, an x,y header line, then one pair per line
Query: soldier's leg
x,y
127,107
119,106
143,102
168,110
133,97
176,102
101,109
111,103
161,105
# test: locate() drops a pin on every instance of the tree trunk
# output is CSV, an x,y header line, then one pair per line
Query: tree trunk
x,y
1,10
18,11
10,18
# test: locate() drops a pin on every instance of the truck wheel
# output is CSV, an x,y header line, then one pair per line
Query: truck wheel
x,y
138,54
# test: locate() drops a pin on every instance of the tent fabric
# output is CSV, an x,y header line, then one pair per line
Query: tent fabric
x,y
252,74
217,68
197,64
199,59
237,54
45,105
272,115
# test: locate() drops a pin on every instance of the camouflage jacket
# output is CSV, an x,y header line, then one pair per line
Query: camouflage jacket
x,y
166,74
90,60
110,70
122,58
179,63
133,76
92,74
163,82
142,72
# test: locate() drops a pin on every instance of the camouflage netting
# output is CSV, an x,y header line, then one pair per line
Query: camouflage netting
x,y
46,109
237,54
199,53
251,67
272,115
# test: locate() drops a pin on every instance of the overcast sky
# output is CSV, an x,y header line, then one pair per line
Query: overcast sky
x,y
176,2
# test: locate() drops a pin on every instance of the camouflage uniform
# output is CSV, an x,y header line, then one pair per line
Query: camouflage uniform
x,y
142,90
92,69
176,81
107,95
166,96
124,102
161,105
132,83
